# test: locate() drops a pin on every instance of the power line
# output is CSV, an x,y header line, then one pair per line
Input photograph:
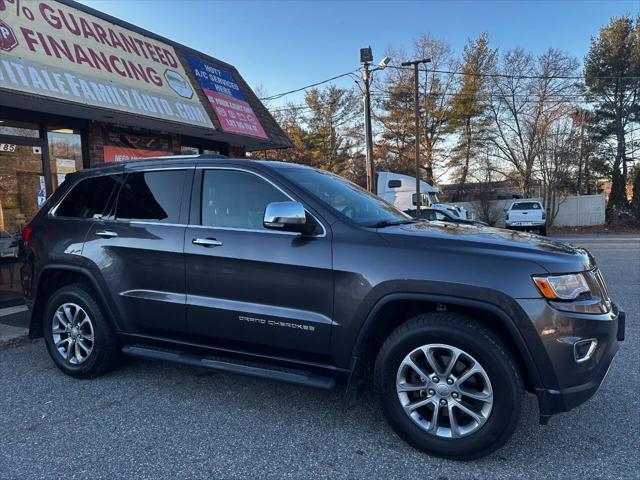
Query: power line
x,y
452,72
290,108
283,94
506,75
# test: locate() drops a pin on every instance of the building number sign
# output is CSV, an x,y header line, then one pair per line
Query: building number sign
x,y
7,147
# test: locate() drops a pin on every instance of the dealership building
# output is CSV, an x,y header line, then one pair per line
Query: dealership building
x,y
80,88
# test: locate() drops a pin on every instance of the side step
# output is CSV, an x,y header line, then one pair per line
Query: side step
x,y
251,369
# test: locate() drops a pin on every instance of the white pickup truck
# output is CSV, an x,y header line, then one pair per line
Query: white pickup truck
x,y
526,215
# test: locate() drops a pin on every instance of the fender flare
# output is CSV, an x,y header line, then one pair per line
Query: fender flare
x,y
507,321
85,272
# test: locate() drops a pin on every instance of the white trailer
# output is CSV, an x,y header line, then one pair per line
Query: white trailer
x,y
400,191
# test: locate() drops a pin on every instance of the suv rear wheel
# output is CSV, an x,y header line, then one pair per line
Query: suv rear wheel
x,y
448,386
77,334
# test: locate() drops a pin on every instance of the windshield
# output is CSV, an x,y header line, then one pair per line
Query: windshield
x,y
346,198
526,206
434,197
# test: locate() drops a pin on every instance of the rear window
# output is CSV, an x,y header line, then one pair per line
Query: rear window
x,y
152,196
88,199
526,206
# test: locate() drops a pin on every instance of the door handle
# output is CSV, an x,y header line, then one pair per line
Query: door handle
x,y
106,234
206,242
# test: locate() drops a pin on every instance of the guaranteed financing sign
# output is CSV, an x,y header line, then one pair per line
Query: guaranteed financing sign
x,y
52,50
227,100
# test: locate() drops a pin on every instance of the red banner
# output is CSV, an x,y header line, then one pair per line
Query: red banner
x,y
124,154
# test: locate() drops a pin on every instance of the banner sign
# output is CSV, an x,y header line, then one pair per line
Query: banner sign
x,y
232,109
124,138
124,154
50,49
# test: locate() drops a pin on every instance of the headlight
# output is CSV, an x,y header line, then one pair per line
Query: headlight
x,y
562,287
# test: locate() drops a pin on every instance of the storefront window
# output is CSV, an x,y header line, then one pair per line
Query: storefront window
x,y
65,153
19,129
22,191
186,150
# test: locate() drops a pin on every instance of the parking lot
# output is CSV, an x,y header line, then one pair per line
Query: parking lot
x,y
158,420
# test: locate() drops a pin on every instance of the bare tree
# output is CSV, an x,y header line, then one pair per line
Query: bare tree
x,y
529,94
486,204
556,162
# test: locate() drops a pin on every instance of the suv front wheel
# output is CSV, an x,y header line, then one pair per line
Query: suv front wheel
x,y
78,336
448,386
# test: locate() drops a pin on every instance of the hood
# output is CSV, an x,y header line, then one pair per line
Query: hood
x,y
552,255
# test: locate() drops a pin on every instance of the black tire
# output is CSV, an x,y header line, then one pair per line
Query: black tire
x,y
543,231
106,350
483,345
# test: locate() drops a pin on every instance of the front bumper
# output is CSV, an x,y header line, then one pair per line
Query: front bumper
x,y
566,382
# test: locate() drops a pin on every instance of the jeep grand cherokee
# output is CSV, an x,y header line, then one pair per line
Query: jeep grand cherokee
x,y
285,272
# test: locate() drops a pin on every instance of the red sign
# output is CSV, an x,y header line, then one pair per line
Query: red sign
x,y
227,99
235,115
124,154
8,40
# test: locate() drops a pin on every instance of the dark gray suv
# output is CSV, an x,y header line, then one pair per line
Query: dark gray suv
x,y
285,272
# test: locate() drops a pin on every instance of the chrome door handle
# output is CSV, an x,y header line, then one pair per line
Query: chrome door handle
x,y
206,242
106,234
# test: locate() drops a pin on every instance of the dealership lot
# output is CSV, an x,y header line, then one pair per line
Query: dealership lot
x,y
157,420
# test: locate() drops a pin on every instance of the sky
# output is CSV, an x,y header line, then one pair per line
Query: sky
x,y
285,45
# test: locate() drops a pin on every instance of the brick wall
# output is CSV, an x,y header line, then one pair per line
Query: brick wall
x,y
236,151
96,142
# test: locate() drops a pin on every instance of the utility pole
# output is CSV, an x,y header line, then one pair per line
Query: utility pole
x,y
368,136
366,57
416,110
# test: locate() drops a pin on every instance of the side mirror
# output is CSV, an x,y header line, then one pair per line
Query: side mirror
x,y
286,216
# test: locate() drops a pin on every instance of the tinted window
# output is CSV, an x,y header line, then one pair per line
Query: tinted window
x,y
234,199
395,183
526,206
153,196
88,198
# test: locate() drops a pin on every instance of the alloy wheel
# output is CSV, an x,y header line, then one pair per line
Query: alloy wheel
x,y
444,390
72,333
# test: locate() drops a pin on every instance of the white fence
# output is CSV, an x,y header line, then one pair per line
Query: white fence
x,y
574,211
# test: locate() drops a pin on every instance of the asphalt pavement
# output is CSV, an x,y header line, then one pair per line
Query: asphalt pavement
x,y
158,420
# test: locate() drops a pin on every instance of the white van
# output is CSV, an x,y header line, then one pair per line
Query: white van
x,y
400,191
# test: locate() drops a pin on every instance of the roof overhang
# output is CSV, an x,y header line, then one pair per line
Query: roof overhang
x,y
25,101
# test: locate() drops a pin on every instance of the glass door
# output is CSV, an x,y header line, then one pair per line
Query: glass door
x,y
22,191
65,153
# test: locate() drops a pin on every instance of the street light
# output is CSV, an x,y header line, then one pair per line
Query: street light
x,y
366,57
416,110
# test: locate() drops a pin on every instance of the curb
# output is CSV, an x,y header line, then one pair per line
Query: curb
x,y
15,338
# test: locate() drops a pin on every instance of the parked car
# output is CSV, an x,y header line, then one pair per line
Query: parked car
x,y
433,214
526,215
9,246
285,272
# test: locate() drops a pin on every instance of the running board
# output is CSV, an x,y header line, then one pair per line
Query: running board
x,y
251,369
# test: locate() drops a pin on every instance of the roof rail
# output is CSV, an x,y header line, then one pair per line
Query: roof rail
x,y
167,157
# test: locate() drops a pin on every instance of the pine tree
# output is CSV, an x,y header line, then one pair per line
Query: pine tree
x,y
612,68
469,106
